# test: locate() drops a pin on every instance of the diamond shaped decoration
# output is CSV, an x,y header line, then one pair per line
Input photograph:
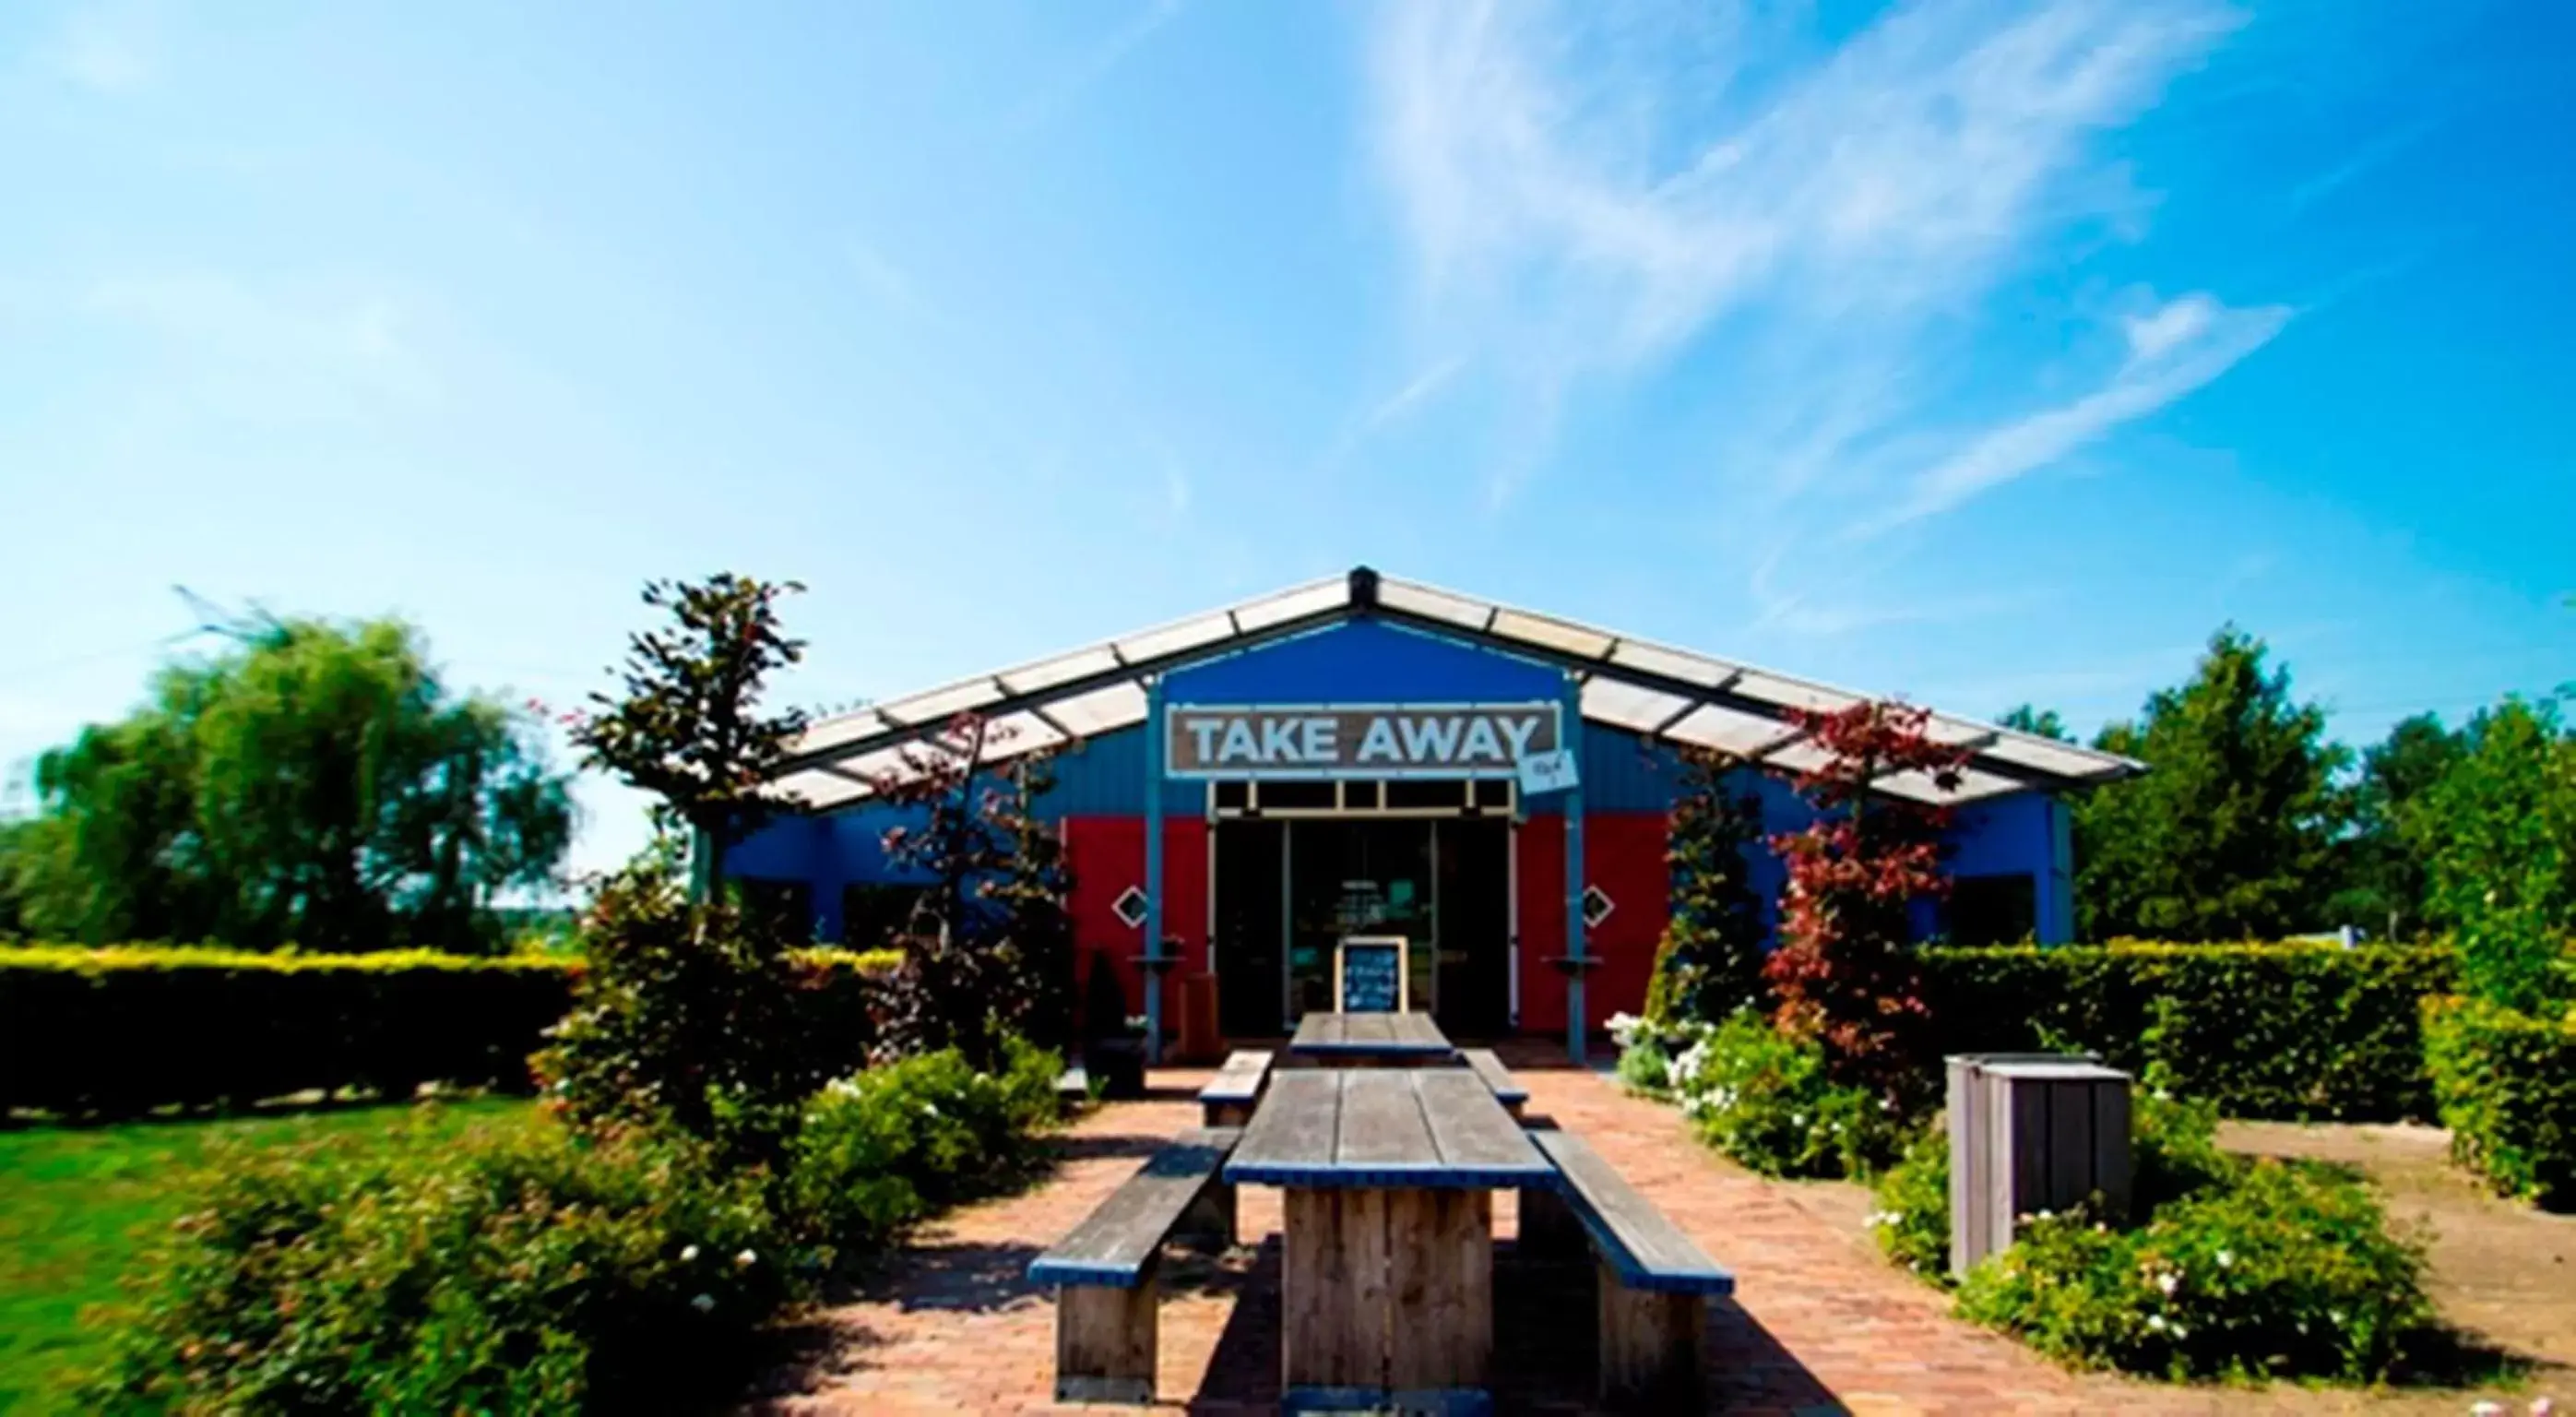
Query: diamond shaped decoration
x,y
1597,906
1130,907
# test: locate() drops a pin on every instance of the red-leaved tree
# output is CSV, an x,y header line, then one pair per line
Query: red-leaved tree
x,y
1845,972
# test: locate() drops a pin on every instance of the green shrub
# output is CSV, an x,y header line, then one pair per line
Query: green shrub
x,y
116,1031
113,1032
522,1270
2283,1270
1912,1220
881,1149
2173,1153
2257,1030
1765,1100
2506,1082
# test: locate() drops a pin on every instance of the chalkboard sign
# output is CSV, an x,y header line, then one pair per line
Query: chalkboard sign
x,y
1369,975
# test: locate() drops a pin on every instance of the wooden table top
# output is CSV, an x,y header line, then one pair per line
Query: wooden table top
x,y
1390,1127
1367,1035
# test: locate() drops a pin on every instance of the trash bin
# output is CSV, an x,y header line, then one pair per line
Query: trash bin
x,y
1199,1042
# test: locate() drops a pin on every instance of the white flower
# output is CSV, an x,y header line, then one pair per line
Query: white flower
x,y
2225,1259
745,1260
703,1304
930,1109
2334,1316
688,1253
2156,1322
2179,1332
2168,1282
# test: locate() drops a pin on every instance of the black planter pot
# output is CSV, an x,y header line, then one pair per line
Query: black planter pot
x,y
1116,1066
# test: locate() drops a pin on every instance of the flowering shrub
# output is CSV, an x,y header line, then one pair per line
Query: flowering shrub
x,y
1766,1099
2284,1270
524,1270
881,1149
1644,1059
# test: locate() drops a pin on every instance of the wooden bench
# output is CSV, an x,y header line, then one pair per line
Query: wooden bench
x,y
1655,1283
1103,1273
1229,1099
1498,1078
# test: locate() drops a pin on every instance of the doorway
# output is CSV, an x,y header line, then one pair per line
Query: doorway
x,y
1288,888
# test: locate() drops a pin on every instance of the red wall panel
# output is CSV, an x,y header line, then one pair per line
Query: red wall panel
x,y
1623,854
1106,856
1542,923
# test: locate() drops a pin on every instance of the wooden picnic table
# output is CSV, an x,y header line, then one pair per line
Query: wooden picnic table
x,y
1370,1039
1389,1174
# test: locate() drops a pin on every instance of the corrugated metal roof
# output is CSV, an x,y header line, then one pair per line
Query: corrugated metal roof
x,y
1653,690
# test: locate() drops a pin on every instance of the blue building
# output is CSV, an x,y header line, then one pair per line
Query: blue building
x,y
1368,755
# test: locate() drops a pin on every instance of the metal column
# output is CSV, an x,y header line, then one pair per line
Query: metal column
x,y
1153,954
1570,737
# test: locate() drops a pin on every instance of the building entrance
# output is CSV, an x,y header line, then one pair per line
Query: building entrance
x,y
1288,888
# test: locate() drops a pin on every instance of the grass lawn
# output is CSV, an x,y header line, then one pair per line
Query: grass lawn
x,y
73,1199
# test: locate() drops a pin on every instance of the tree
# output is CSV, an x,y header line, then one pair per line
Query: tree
x,y
686,1012
2382,873
2231,832
2039,722
988,951
1845,973
1709,962
2497,833
317,785
688,726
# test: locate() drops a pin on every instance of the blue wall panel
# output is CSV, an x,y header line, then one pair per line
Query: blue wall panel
x,y
1105,777
1365,662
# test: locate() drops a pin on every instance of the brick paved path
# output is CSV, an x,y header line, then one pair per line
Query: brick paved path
x,y
951,1327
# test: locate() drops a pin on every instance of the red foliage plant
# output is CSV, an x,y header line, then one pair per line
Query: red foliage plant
x,y
1844,972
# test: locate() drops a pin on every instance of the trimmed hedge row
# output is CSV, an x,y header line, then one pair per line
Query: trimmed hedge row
x,y
2506,1083
2261,1030
116,1031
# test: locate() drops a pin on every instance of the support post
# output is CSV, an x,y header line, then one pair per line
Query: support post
x,y
1152,967
1570,735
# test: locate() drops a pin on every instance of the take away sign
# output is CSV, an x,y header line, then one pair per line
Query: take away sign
x,y
1374,740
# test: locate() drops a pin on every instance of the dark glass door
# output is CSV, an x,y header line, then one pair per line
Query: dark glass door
x,y
1357,876
1248,919
1474,927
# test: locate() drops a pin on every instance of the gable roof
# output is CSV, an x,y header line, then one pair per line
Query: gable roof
x,y
1655,691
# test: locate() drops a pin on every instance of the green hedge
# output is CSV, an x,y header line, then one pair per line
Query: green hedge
x,y
116,1031
2261,1030
2506,1083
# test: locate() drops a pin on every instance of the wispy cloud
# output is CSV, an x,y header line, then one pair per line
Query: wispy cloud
x,y
1592,192
2172,351
106,50
2361,161
1420,388
1095,62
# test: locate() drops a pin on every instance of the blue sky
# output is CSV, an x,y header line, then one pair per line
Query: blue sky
x,y
1975,352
